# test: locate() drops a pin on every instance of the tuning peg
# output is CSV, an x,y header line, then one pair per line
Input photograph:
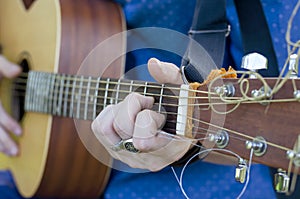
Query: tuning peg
x,y
241,171
254,62
281,181
293,65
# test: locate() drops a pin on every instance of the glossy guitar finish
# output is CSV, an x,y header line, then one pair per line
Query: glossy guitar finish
x,y
277,122
56,36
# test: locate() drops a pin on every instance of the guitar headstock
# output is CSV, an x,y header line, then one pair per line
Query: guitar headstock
x,y
259,114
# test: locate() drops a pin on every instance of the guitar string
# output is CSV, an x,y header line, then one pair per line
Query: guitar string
x,y
240,134
237,99
275,89
180,179
225,101
134,83
221,128
294,86
228,101
242,81
198,105
21,89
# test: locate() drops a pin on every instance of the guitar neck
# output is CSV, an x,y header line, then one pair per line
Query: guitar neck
x,y
84,98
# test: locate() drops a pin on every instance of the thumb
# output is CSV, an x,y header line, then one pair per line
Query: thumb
x,y
164,72
8,69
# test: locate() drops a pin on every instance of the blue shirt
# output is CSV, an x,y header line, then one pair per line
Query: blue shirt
x,y
201,180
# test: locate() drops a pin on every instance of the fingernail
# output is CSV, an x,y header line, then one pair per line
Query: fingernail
x,y
154,62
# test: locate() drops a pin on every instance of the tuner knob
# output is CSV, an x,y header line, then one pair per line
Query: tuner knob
x,y
254,62
241,171
281,181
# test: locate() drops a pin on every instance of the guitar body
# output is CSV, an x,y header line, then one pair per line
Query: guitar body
x,y
56,36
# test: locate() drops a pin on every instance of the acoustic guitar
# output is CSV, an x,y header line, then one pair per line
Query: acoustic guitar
x,y
55,36
228,115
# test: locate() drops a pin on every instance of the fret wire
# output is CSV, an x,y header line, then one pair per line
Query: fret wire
x,y
32,92
94,80
125,91
78,97
220,127
105,94
130,87
220,103
43,87
72,98
96,97
145,88
37,85
175,87
66,97
34,105
272,144
38,90
117,92
206,104
120,99
51,83
195,97
61,95
54,102
153,94
86,98
160,97
45,90
136,84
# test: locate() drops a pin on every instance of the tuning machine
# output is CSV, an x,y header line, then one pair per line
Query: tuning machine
x,y
241,171
227,90
220,138
259,145
262,94
281,181
294,155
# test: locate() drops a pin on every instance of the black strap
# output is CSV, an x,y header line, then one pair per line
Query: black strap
x,y
255,33
209,29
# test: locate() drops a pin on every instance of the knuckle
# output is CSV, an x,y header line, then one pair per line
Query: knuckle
x,y
98,125
144,115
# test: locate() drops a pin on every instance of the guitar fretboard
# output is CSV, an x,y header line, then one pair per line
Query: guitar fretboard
x,y
83,97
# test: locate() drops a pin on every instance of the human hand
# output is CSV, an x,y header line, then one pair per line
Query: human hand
x,y
7,123
133,118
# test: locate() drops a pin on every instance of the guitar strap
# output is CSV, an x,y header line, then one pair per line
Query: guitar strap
x,y
209,29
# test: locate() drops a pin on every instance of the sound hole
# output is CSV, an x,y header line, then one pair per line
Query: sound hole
x,y
19,91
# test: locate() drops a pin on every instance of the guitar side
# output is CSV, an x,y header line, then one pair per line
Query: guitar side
x,y
56,36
